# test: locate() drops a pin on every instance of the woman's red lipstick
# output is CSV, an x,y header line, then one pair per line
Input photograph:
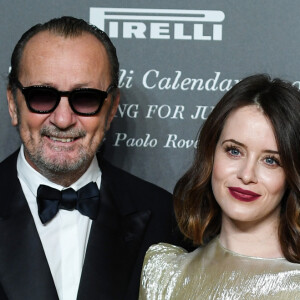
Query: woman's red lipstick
x,y
243,195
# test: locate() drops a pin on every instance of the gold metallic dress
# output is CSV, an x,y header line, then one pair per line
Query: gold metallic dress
x,y
213,272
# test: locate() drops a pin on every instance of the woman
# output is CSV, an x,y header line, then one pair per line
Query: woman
x,y
240,201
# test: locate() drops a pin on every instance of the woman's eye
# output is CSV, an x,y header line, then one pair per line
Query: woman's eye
x,y
233,151
271,161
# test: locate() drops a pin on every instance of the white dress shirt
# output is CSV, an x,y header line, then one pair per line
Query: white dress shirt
x,y
65,237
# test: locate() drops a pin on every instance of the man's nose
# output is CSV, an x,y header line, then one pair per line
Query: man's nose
x,y
247,171
63,116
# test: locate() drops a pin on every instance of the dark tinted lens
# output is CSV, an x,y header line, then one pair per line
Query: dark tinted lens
x,y
41,99
87,101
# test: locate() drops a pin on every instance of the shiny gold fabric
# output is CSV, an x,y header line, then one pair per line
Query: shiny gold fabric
x,y
213,272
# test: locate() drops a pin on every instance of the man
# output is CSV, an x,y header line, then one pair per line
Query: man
x,y
57,240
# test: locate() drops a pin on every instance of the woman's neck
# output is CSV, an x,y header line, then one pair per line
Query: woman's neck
x,y
260,240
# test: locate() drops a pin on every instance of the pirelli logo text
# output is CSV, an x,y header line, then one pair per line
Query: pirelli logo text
x,y
164,24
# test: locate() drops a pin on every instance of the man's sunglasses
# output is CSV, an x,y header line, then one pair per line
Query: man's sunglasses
x,y
83,101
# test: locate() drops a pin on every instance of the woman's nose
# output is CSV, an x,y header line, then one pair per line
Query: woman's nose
x,y
247,171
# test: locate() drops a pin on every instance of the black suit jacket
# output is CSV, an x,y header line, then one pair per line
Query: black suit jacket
x,y
133,215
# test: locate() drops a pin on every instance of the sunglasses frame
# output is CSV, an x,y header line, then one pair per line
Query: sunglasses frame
x,y
101,94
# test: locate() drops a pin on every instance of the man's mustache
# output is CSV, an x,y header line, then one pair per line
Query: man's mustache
x,y
68,133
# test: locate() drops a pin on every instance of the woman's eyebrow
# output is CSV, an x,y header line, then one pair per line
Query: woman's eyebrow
x,y
243,145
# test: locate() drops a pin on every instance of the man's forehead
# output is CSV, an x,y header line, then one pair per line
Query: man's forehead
x,y
49,53
48,44
44,38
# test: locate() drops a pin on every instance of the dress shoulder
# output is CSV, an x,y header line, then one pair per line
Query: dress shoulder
x,y
164,249
159,269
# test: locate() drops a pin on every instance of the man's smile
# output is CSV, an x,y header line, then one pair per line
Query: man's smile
x,y
62,140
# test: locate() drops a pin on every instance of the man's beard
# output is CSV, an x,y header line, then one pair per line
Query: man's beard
x,y
59,164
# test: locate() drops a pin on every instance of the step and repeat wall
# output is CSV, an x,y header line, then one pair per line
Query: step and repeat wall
x,y
177,59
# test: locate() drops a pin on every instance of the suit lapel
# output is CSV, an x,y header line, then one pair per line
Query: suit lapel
x,y
113,245
24,272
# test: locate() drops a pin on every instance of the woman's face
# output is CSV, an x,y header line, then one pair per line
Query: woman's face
x,y
248,181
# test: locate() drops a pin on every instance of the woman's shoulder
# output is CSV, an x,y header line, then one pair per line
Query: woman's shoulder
x,y
163,254
165,250
166,256
161,264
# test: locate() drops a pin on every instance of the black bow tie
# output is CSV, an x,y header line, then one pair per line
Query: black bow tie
x,y
50,200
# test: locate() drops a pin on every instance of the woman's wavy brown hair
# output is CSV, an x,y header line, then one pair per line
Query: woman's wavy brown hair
x,y
197,212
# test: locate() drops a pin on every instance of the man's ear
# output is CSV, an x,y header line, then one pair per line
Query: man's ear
x,y
12,107
113,109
